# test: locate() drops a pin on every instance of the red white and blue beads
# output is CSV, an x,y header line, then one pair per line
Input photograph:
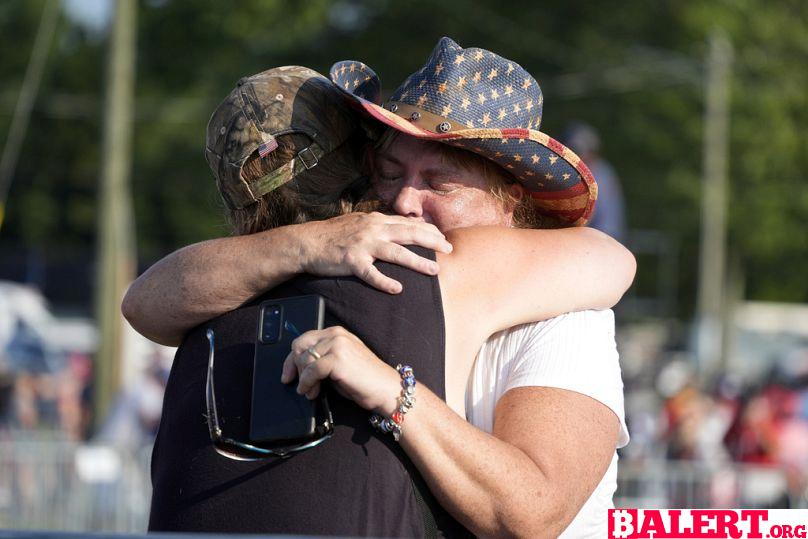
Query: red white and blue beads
x,y
392,425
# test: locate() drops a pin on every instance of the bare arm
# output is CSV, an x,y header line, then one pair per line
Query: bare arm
x,y
548,451
497,278
207,279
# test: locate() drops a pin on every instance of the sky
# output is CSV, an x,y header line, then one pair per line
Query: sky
x,y
94,15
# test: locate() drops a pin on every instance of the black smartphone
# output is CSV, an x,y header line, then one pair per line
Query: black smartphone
x,y
280,418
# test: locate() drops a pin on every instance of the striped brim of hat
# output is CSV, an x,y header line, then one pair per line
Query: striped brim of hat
x,y
478,101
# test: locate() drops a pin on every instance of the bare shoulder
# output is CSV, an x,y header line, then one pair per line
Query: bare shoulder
x,y
484,237
496,251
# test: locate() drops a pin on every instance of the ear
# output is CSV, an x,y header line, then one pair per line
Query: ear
x,y
517,191
516,194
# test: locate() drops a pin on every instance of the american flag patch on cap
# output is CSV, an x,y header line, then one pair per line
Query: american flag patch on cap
x,y
267,148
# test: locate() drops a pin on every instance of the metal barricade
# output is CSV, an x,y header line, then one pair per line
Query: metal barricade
x,y
684,484
52,484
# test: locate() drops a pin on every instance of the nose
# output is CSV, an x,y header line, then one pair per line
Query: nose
x,y
408,203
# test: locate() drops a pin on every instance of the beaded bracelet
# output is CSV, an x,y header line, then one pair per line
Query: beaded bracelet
x,y
406,401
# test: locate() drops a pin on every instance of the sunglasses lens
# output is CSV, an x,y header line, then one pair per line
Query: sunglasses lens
x,y
235,452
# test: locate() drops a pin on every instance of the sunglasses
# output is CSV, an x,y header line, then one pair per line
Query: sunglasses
x,y
235,449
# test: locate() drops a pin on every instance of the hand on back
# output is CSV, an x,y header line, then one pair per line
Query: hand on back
x,y
350,244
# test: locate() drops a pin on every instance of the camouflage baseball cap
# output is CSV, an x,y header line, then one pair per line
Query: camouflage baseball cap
x,y
279,101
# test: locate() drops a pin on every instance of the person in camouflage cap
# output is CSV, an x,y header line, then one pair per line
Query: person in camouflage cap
x,y
553,443
284,149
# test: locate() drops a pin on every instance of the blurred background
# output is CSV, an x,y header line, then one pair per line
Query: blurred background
x,y
692,114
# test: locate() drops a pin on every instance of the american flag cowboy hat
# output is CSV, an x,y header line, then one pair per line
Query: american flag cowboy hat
x,y
484,103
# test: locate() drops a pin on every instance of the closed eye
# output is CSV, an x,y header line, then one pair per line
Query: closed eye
x,y
443,187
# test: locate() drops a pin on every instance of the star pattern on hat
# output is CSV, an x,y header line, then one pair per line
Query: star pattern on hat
x,y
470,87
475,89
475,79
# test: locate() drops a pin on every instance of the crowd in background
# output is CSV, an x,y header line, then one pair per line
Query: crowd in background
x,y
42,399
47,389
748,437
61,401
674,412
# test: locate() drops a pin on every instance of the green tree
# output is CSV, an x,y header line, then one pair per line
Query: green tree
x,y
632,69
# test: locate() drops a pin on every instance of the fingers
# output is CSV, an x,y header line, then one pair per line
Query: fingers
x,y
294,364
301,358
405,231
335,343
363,268
397,254
375,278
354,241
353,370
314,391
310,377
390,248
408,231
289,370
311,338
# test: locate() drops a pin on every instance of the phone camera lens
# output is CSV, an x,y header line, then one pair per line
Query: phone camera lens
x,y
271,325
